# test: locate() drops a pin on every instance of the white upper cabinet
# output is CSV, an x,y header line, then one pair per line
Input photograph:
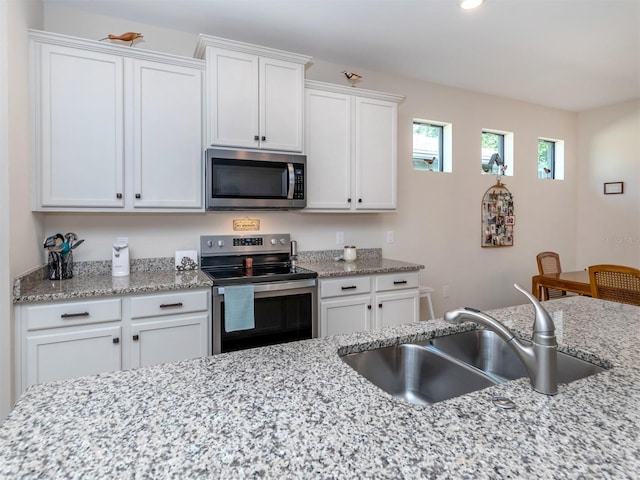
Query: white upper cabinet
x,y
351,148
255,95
328,145
79,124
167,136
114,128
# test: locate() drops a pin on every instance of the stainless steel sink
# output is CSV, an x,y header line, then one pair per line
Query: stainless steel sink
x,y
487,351
446,367
417,374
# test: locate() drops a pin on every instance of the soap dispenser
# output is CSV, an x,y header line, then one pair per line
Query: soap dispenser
x,y
120,257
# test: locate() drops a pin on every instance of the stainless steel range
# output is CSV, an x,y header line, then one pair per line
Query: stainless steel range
x,y
284,295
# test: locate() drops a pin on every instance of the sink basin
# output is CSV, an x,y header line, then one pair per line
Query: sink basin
x,y
417,374
487,351
446,367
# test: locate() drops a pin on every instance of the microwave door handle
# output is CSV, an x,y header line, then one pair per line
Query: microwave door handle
x,y
292,181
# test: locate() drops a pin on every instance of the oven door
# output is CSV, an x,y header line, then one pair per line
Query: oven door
x,y
283,312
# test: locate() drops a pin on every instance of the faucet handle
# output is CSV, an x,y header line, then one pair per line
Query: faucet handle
x,y
543,323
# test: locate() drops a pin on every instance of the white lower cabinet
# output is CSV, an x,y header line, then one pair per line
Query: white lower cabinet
x,y
58,354
359,303
345,315
70,339
168,340
168,327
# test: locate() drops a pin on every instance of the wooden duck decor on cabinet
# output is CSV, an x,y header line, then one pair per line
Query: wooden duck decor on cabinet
x,y
498,217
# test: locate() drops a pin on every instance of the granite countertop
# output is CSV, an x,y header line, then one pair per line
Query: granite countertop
x,y
93,279
369,261
297,411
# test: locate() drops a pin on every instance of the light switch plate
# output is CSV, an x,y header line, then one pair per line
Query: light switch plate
x,y
187,260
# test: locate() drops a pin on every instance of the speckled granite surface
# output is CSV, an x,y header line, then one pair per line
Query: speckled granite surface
x,y
93,279
297,411
368,262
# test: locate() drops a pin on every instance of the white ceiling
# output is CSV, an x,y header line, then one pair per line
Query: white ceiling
x,y
569,54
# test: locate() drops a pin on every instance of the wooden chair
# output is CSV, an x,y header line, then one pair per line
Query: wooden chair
x,y
549,262
615,282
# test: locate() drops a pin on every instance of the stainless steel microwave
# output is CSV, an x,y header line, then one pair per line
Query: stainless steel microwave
x,y
250,180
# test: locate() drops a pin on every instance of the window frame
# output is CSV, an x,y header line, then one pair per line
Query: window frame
x,y
552,160
441,144
501,143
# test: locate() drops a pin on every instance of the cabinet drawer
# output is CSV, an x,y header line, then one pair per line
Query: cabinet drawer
x,y
345,286
170,303
396,281
68,314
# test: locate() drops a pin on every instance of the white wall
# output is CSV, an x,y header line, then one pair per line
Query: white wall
x,y
609,225
21,230
438,218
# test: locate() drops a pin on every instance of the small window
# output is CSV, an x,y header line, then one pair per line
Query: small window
x,y
493,153
546,158
428,142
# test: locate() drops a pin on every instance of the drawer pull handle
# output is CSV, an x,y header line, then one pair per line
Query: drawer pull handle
x,y
170,305
379,305
136,338
352,287
399,282
74,315
369,307
116,340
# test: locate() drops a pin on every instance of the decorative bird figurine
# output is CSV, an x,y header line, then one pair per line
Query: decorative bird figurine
x,y
429,161
352,77
125,37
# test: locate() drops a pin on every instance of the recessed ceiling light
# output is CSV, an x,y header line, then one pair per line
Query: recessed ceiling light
x,y
469,4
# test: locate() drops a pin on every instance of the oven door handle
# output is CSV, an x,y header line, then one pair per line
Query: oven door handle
x,y
274,286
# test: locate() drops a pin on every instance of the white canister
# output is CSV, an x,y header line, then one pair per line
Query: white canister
x,y
350,254
120,257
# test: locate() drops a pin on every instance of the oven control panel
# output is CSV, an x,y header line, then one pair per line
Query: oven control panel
x,y
253,241
211,245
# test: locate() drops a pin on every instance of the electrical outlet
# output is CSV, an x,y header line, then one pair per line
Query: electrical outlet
x,y
445,291
390,236
340,238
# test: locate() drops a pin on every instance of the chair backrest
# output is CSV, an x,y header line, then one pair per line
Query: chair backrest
x,y
548,262
615,282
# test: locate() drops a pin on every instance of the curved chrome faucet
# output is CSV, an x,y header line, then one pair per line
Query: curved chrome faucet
x,y
540,358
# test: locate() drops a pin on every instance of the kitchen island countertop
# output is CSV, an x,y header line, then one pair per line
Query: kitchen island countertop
x,y
297,411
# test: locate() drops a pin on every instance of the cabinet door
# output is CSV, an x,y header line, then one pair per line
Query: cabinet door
x,y
281,105
232,86
328,148
79,135
168,340
396,308
376,154
167,135
345,315
70,353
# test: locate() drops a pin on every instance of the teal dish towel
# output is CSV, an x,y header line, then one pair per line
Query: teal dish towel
x,y
238,308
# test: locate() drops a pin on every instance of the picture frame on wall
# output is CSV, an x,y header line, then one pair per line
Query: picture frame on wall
x,y
613,188
498,217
